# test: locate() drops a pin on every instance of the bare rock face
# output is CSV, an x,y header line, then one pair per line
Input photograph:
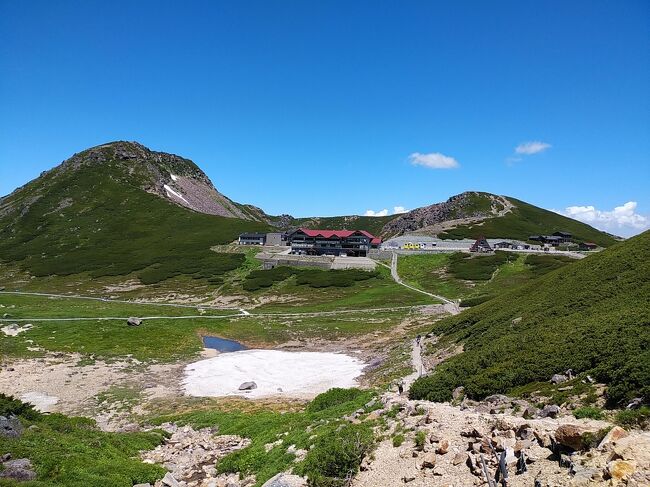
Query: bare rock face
x,y
459,207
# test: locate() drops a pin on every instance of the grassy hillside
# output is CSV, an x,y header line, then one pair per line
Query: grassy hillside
x,y
98,219
592,316
525,220
461,275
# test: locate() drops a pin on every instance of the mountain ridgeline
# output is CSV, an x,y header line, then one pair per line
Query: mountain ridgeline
x,y
122,209
119,209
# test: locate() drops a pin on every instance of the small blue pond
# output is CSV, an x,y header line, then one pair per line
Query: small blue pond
x,y
222,344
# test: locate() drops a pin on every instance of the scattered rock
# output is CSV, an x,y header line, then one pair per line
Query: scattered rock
x,y
530,412
443,447
19,469
285,480
615,434
247,386
170,481
570,435
635,403
10,427
192,454
429,460
550,411
559,378
634,448
133,321
459,458
458,392
619,470
143,485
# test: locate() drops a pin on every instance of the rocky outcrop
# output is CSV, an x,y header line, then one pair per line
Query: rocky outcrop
x,y
10,427
466,206
191,455
20,469
168,176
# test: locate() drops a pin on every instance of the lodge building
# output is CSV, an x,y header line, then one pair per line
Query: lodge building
x,y
355,243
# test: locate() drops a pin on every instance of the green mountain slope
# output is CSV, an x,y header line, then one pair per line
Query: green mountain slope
x,y
525,220
105,217
592,316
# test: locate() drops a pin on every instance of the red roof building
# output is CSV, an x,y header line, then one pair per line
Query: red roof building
x,y
332,242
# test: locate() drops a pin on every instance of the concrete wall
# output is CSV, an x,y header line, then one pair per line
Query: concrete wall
x,y
273,239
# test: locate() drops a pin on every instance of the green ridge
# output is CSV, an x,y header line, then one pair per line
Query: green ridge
x,y
525,220
592,316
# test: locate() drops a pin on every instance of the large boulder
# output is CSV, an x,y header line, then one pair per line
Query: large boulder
x,y
615,434
19,469
550,411
635,448
575,437
10,427
559,378
133,321
247,386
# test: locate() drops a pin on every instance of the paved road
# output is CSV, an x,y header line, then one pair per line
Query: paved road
x,y
450,306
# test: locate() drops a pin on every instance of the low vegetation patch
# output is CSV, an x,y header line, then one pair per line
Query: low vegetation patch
x,y
590,412
477,268
541,264
74,452
634,418
314,278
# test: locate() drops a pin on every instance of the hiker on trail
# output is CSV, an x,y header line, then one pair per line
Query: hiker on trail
x,y
400,387
417,340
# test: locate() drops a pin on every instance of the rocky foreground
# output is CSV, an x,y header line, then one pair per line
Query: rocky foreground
x,y
443,445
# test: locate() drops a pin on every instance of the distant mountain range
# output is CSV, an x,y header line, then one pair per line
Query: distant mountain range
x,y
125,199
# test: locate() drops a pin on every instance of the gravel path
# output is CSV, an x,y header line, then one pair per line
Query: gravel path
x,y
450,306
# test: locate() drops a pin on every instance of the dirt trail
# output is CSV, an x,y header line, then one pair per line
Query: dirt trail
x,y
450,306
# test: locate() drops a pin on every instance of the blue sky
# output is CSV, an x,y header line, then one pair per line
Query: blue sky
x,y
339,107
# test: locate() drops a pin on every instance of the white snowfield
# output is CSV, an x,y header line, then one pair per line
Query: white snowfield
x,y
170,191
40,400
276,373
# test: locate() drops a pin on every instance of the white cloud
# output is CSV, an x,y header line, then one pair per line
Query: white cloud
x,y
623,220
396,211
433,160
383,212
533,147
